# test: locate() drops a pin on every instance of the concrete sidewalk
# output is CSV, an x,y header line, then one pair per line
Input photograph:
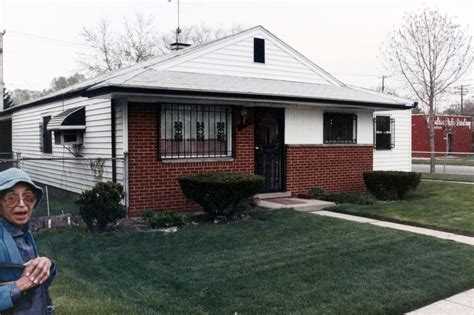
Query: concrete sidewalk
x,y
438,234
459,304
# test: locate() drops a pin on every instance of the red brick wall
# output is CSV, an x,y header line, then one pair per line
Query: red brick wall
x,y
152,183
334,168
461,135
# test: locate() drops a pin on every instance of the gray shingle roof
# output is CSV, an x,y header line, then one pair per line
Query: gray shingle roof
x,y
198,82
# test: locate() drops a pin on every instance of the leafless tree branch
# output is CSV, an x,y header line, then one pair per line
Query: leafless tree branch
x,y
431,53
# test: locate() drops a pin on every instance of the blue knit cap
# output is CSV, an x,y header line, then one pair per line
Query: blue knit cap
x,y
13,176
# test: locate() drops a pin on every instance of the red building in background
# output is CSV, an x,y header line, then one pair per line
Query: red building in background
x,y
452,134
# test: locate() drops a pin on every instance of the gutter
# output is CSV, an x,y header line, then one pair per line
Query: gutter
x,y
94,92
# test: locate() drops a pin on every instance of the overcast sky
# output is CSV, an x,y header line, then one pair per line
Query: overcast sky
x,y
343,37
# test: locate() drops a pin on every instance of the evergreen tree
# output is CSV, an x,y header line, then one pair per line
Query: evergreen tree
x,y
7,99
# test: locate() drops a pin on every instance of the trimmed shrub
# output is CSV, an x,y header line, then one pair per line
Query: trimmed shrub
x,y
391,185
100,206
162,219
318,193
216,192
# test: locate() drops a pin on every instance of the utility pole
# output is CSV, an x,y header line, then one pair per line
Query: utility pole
x,y
1,71
462,90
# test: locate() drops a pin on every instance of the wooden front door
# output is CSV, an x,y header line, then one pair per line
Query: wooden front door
x,y
269,147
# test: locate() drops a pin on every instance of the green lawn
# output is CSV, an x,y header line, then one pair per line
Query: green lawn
x,y
439,205
275,262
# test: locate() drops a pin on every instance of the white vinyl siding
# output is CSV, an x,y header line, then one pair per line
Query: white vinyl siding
x,y
236,58
67,174
399,157
120,107
305,125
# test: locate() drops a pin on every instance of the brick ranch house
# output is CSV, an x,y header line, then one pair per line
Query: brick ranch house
x,y
453,134
247,103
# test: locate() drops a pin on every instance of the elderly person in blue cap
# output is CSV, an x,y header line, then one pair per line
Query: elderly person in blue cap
x,y
27,293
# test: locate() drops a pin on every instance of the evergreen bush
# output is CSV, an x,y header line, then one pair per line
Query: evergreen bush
x,y
163,219
220,192
391,185
101,205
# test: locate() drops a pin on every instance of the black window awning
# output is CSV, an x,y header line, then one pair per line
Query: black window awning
x,y
71,119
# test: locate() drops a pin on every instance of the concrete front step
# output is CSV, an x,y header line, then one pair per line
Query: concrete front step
x,y
283,194
304,205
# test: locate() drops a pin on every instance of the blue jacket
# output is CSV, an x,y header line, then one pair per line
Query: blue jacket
x,y
9,253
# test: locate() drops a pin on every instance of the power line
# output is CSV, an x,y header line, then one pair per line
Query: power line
x,y
461,90
45,38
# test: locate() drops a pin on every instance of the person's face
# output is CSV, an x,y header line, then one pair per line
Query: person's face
x,y
17,204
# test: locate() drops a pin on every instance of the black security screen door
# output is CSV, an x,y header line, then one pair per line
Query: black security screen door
x,y
269,148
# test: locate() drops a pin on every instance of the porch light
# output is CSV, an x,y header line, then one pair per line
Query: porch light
x,y
245,121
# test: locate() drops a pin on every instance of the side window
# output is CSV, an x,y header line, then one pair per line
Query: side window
x,y
46,140
384,132
340,128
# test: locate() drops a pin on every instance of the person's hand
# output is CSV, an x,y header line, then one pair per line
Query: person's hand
x,y
24,283
38,269
35,273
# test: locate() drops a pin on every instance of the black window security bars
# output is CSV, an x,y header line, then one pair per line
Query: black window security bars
x,y
195,131
340,128
384,132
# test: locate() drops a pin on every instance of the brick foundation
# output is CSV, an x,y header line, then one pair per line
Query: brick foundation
x,y
334,168
152,183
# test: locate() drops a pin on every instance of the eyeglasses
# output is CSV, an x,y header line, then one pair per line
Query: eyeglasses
x,y
12,199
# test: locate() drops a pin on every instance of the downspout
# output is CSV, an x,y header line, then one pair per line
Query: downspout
x,y
113,140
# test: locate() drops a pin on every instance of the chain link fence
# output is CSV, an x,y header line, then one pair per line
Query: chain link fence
x,y
449,166
63,179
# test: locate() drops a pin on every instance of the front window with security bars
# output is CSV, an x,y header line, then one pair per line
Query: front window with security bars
x,y
195,131
340,128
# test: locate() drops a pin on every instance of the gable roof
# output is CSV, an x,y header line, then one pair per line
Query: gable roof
x,y
173,83
156,76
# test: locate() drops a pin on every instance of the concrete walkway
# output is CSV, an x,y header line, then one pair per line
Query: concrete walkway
x,y
459,304
438,234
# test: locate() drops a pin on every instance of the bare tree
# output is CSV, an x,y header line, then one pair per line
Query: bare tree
x,y
431,52
105,51
138,41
